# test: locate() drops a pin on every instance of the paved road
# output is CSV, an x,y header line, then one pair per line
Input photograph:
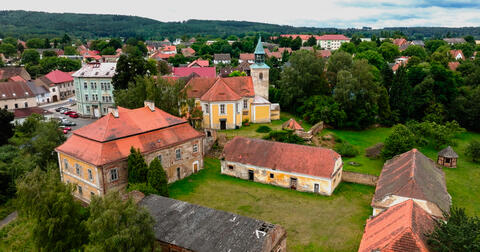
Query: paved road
x,y
79,121
11,217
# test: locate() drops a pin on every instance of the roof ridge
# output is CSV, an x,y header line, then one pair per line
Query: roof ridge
x,y
414,159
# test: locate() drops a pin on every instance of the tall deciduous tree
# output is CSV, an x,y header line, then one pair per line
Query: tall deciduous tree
x,y
57,217
6,118
129,67
116,225
30,56
389,51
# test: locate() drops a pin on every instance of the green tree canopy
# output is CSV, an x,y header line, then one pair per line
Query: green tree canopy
x,y
129,67
117,225
157,177
401,140
473,150
8,50
6,118
36,43
70,50
389,51
137,168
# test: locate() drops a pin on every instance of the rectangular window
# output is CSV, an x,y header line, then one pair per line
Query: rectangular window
x,y
230,167
159,158
86,97
26,104
206,109
195,148
113,174
245,104
272,175
80,190
222,109
78,169
85,86
90,176
65,164
16,105
178,154
102,86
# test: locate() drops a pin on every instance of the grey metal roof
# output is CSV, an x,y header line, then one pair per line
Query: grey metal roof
x,y
37,89
204,229
448,152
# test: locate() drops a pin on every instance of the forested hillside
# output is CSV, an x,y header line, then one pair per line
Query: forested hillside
x,y
27,24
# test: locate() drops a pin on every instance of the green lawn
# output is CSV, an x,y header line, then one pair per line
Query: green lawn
x,y
463,183
313,222
250,130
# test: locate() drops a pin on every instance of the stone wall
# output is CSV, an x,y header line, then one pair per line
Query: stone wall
x,y
359,178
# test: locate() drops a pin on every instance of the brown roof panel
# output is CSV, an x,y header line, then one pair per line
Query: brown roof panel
x,y
413,175
302,159
15,90
400,228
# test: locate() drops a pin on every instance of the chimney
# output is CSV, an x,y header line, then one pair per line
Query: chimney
x,y
113,111
150,105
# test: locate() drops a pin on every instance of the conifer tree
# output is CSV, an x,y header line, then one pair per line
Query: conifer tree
x,y
137,168
157,177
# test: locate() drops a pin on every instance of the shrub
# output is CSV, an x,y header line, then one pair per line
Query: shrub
x,y
401,140
284,136
157,177
473,150
263,129
142,187
346,149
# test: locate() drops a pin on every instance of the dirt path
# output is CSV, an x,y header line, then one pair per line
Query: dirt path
x,y
11,217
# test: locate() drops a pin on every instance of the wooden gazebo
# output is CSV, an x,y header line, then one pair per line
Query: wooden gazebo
x,y
447,157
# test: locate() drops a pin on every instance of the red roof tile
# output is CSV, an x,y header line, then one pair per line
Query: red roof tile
x,y
200,63
170,48
333,37
17,78
399,42
400,228
109,139
241,85
413,175
455,53
324,53
200,71
188,52
220,91
301,159
282,49
58,76
291,124
247,56
302,36
453,65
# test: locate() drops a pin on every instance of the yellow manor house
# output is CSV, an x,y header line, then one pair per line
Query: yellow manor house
x,y
227,102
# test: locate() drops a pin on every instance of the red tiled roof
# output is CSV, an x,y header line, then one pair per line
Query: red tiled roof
x,y
160,55
17,78
399,42
324,53
58,76
282,49
277,55
247,56
453,65
187,52
109,139
291,124
241,85
220,91
8,72
302,36
15,90
200,71
301,159
413,175
200,63
26,112
454,54
400,228
333,37
170,48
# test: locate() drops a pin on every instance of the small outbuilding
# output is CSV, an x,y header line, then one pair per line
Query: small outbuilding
x,y
447,157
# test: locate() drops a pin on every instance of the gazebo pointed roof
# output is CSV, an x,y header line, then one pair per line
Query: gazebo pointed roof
x,y
448,153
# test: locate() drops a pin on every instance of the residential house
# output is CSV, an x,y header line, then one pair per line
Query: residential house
x,y
181,226
457,54
169,50
14,74
402,227
400,61
157,44
95,156
90,55
247,57
197,71
331,41
94,89
303,37
41,91
453,65
418,43
278,55
199,63
401,43
188,52
64,83
223,58
454,41
22,113
177,41
283,49
14,95
412,175
324,54
110,58
299,167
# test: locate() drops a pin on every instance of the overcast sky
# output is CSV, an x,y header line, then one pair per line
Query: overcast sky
x,y
317,13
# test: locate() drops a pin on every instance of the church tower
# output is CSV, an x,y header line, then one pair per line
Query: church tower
x,y
260,71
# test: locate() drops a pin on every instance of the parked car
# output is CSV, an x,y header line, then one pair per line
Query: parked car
x,y
69,112
64,111
68,123
65,131
60,109
65,127
73,115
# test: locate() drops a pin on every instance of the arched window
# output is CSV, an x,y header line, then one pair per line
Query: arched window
x,y
260,76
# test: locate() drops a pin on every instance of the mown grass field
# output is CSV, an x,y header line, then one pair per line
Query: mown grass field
x,y
313,222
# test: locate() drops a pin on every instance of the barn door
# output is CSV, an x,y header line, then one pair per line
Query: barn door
x,y
293,183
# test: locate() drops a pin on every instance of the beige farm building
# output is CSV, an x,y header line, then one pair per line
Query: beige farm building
x,y
299,167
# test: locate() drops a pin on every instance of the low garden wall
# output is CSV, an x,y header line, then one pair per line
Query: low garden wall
x,y
359,178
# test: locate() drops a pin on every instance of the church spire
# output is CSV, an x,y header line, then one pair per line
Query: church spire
x,y
259,52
